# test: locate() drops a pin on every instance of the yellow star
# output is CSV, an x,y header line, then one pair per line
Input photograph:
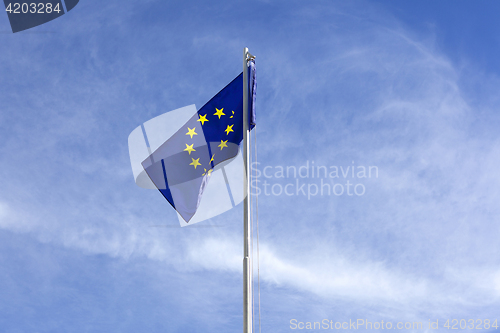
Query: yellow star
x,y
229,129
189,148
203,119
209,172
195,162
212,159
219,112
222,144
232,115
191,132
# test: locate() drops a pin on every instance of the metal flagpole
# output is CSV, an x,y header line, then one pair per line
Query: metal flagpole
x,y
247,276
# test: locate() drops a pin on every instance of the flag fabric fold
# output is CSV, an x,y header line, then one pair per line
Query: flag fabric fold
x,y
181,167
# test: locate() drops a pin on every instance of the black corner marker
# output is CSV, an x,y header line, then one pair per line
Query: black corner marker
x,y
70,4
28,14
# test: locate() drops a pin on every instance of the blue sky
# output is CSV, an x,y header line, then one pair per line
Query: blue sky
x,y
409,87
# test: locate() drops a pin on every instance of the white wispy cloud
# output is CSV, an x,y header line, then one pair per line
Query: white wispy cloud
x,y
3,210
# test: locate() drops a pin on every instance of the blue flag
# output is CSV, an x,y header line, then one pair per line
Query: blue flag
x,y
181,167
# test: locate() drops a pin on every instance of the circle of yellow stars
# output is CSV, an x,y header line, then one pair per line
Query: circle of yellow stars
x,y
192,132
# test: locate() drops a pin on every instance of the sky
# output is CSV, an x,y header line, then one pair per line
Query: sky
x,y
408,90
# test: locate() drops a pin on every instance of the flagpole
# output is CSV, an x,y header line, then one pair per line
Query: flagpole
x,y
247,276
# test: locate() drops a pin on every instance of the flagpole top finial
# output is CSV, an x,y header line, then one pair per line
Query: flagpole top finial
x,y
248,55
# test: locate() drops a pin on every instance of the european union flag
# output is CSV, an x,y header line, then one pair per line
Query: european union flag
x,y
181,167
